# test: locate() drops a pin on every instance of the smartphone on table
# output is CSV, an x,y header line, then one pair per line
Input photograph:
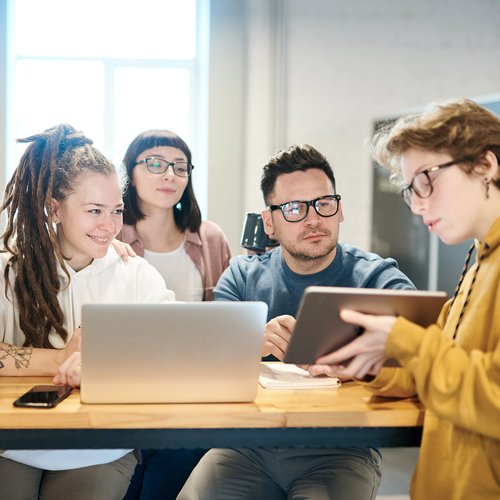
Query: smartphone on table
x,y
44,396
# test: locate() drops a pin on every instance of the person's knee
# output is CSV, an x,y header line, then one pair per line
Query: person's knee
x,y
226,474
116,477
339,475
19,481
107,481
200,485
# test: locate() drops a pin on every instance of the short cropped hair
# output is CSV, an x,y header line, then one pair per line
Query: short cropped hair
x,y
297,158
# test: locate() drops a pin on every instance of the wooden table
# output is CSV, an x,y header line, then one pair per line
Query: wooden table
x,y
334,417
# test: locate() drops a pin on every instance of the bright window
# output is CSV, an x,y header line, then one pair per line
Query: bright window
x,y
53,91
110,68
166,103
125,29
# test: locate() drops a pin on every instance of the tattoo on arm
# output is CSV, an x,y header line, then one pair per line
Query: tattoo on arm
x,y
21,356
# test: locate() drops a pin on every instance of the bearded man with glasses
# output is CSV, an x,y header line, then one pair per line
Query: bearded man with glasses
x,y
303,213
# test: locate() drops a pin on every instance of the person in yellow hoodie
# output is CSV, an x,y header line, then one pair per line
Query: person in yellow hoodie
x,y
448,157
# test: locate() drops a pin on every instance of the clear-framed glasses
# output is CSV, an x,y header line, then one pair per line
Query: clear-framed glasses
x,y
160,166
297,210
421,184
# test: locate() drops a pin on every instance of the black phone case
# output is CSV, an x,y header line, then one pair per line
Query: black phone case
x,y
37,397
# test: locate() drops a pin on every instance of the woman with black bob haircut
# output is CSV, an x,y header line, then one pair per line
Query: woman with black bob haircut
x,y
162,220
162,223
187,214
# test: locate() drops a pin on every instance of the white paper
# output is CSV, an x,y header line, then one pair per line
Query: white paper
x,y
289,376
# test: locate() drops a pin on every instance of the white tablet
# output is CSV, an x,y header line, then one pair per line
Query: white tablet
x,y
319,329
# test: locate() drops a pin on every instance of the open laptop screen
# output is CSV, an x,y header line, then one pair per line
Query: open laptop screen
x,y
175,352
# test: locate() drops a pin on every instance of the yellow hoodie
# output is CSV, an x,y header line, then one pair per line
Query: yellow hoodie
x,y
458,381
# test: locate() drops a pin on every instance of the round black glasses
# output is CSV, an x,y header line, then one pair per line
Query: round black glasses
x,y
297,210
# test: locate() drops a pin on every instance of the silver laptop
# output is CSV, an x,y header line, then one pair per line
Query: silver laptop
x,y
171,353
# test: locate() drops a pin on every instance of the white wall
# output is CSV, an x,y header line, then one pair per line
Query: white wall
x,y
320,71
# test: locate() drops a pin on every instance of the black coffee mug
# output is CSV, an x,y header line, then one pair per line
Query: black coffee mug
x,y
253,236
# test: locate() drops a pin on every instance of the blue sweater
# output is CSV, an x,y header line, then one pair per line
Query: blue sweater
x,y
267,278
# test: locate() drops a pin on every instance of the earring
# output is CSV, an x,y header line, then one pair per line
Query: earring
x,y
487,183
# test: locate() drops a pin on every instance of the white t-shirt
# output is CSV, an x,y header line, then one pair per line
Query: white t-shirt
x,y
179,272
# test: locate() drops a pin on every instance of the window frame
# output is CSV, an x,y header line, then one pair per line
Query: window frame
x,y
197,69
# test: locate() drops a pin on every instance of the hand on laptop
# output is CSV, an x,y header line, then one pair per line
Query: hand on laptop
x,y
69,370
277,334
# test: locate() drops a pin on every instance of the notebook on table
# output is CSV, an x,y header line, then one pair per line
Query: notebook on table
x,y
171,353
319,329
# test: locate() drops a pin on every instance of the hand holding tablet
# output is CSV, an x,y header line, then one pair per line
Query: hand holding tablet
x,y
319,329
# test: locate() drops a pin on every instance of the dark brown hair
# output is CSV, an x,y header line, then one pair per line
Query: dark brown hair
x,y
296,158
187,215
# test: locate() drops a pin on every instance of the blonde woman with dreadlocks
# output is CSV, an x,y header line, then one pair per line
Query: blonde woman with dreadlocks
x,y
64,207
448,158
